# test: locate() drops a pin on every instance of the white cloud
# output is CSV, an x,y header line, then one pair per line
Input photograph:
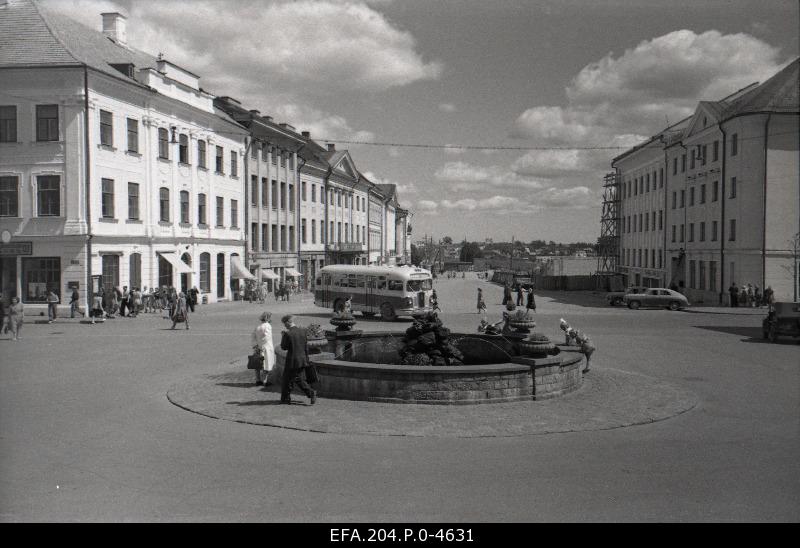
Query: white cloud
x,y
658,80
454,150
447,107
322,125
465,176
427,205
558,163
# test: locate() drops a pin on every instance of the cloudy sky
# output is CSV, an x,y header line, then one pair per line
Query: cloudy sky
x,y
467,76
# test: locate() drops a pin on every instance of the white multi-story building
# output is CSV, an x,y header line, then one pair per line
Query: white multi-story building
x,y
730,196
116,169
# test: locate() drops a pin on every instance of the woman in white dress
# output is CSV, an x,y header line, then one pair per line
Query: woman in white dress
x,y
262,340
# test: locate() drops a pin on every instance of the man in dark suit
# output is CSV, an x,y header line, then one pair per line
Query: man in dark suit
x,y
294,371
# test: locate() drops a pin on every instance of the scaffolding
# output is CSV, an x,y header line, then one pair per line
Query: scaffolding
x,y
608,243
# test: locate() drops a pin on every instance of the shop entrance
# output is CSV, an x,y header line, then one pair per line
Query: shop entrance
x,y
8,278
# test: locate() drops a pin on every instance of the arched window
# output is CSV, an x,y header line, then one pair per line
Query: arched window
x,y
220,275
205,272
163,143
163,199
185,207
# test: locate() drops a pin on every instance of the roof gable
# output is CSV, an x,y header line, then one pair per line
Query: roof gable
x,y
707,114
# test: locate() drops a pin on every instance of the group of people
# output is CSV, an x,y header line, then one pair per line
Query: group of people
x,y
525,296
297,369
255,292
750,295
107,304
12,317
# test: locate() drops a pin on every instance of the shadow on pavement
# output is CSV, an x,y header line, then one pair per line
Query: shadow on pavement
x,y
252,403
588,299
753,334
238,384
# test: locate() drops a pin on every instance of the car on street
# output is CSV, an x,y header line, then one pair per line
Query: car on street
x,y
782,319
616,298
657,297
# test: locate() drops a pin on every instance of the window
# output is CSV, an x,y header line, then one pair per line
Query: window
x,y
234,164
661,219
715,151
691,160
346,233
253,190
274,157
107,197
653,228
734,144
47,122
275,240
185,207
733,187
331,234
253,236
135,270
641,185
201,154
636,187
702,231
646,222
201,209
292,238
647,184
283,159
106,128
674,199
705,155
254,151
133,135
313,193
8,124
205,272
303,230
283,196
291,197
660,259
110,272
234,213
675,165
339,232
303,191
691,232
321,232
274,194
682,233
264,193
9,196
732,232
661,177
38,276
691,196
220,275
395,285
715,191
313,231
692,280
48,194
183,149
683,163
683,198
163,143
220,211
338,198
218,166
713,231
640,223
163,201
264,241
712,275
283,238
702,194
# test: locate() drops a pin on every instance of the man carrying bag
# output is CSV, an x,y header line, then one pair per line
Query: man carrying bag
x,y
296,369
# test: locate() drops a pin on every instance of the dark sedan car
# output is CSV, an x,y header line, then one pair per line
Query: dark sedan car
x,y
657,296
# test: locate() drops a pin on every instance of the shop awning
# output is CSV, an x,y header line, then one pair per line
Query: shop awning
x,y
177,264
268,274
238,271
292,273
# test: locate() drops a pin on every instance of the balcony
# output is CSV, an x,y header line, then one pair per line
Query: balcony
x,y
347,247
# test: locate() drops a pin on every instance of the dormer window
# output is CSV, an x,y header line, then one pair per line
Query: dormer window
x,y
125,68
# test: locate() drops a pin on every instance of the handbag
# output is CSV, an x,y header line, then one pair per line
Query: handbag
x,y
311,374
255,360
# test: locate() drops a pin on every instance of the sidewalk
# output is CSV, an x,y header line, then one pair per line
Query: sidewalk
x,y
738,311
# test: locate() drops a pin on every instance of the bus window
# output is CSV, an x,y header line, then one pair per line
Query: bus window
x,y
326,279
360,282
420,285
382,283
318,281
352,282
395,285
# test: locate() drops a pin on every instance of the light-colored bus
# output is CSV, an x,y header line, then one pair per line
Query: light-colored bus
x,y
391,291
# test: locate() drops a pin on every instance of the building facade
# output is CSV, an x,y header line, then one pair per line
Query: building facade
x,y
115,167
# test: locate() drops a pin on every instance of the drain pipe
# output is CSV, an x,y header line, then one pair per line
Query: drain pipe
x,y
764,217
87,197
722,216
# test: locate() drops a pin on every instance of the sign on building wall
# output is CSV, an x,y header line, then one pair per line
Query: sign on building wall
x,y
16,248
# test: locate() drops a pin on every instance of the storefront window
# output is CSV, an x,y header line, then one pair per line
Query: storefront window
x,y
205,267
135,272
39,275
110,272
220,275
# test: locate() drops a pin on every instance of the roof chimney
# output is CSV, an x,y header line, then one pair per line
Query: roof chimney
x,y
331,147
268,118
114,26
306,134
255,113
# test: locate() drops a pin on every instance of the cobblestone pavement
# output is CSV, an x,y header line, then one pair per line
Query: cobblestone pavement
x,y
87,432
608,399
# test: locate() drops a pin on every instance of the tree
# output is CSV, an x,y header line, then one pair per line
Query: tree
x,y
470,251
447,240
416,255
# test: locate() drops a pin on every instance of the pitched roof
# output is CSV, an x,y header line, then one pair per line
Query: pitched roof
x,y
778,94
25,38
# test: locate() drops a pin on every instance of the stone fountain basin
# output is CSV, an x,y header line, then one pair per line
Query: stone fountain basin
x,y
358,366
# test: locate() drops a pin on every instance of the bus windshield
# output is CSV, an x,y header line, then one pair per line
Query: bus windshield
x,y
420,285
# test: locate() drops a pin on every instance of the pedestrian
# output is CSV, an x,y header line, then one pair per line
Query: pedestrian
x,y
481,302
506,294
113,305
180,311
769,297
262,341
192,298
16,317
743,296
296,368
3,315
531,304
757,297
733,291
520,295
435,302
52,306
135,302
97,307
74,302
751,295
124,301
587,348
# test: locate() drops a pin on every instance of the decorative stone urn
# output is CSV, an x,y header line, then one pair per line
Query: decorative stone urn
x,y
315,339
343,323
521,322
537,345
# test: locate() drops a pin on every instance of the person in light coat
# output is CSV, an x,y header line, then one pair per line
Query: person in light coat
x,y
262,340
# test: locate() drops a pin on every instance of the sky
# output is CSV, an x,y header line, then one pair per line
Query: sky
x,y
545,81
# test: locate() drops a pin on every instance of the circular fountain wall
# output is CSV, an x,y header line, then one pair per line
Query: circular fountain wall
x,y
359,365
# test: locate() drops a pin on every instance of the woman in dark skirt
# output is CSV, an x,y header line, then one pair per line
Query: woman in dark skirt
x,y
531,305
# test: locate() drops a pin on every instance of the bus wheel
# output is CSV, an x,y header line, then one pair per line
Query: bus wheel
x,y
387,313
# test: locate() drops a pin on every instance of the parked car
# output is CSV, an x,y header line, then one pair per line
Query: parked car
x,y
656,296
782,319
616,298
